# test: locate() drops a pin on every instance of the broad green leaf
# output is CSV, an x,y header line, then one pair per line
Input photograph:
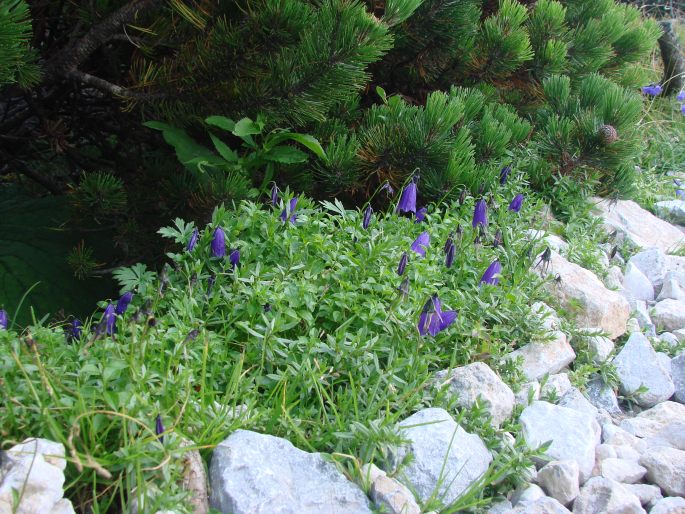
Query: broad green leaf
x,y
304,139
222,122
246,127
286,155
187,149
223,149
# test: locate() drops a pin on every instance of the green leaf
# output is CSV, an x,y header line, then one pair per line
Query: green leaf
x,y
247,127
188,151
222,122
304,139
223,149
286,155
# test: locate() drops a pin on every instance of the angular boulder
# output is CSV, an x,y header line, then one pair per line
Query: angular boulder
x,y
669,315
652,263
605,496
387,493
637,283
678,375
650,422
543,358
560,480
254,473
671,505
665,468
673,287
671,210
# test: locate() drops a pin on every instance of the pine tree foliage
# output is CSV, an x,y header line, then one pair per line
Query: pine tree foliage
x,y
15,34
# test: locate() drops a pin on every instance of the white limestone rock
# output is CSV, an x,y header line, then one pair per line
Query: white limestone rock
x,y
673,287
678,375
556,385
575,400
669,315
560,480
637,283
622,470
650,422
600,348
477,381
602,396
574,434
605,496
543,358
544,505
388,493
665,468
648,494
614,278
637,364
444,456
671,505
529,493
671,210
651,262
253,473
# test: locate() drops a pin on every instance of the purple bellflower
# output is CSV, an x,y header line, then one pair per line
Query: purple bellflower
x,y
73,330
4,319
274,194
462,197
504,174
219,243
109,321
681,96
480,214
490,275
679,192
419,246
449,254
367,217
408,199
234,257
193,240
389,191
432,319
159,428
123,303
682,108
516,203
652,90
403,264
421,215
290,211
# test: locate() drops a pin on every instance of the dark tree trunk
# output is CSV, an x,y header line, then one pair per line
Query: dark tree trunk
x,y
672,56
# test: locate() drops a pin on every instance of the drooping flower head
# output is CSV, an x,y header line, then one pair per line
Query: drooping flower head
x,y
193,240
480,214
73,330
681,96
159,428
419,246
218,243
462,197
504,174
652,90
290,212
516,203
404,287
421,215
403,264
123,303
432,319
274,194
234,257
498,240
366,221
449,254
491,274
408,199
109,320
389,191
4,319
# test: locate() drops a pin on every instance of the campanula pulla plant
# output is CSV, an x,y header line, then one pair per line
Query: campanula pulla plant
x,y
449,255
290,211
421,243
123,303
108,322
480,214
462,197
497,241
194,237
234,257
4,319
652,90
421,215
681,96
73,330
408,199
491,275
274,194
403,264
433,319
516,203
389,191
159,428
366,221
504,174
218,243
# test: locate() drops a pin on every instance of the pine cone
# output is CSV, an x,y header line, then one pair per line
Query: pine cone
x,y
607,134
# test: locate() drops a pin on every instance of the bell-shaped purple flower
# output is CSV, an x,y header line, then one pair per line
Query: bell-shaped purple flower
x,y
367,217
652,90
109,321
433,320
419,246
274,194
679,193
159,428
234,257
408,199
516,203
123,303
290,212
194,237
218,243
4,319
491,274
504,174
449,254
389,191
682,109
421,215
403,264
73,330
480,214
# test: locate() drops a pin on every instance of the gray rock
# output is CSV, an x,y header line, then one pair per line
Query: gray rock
x,y
627,452
388,493
542,358
477,381
605,451
637,283
622,470
669,315
618,436
650,422
675,263
600,348
648,494
194,478
678,375
665,362
556,385
614,278
574,434
529,493
35,469
671,210
670,505
604,496
665,468
639,226
549,317
636,365
643,318
679,334
444,456
530,391
253,473
560,479
651,262
501,507
602,396
583,294
673,287
544,505
670,339
672,435
575,400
